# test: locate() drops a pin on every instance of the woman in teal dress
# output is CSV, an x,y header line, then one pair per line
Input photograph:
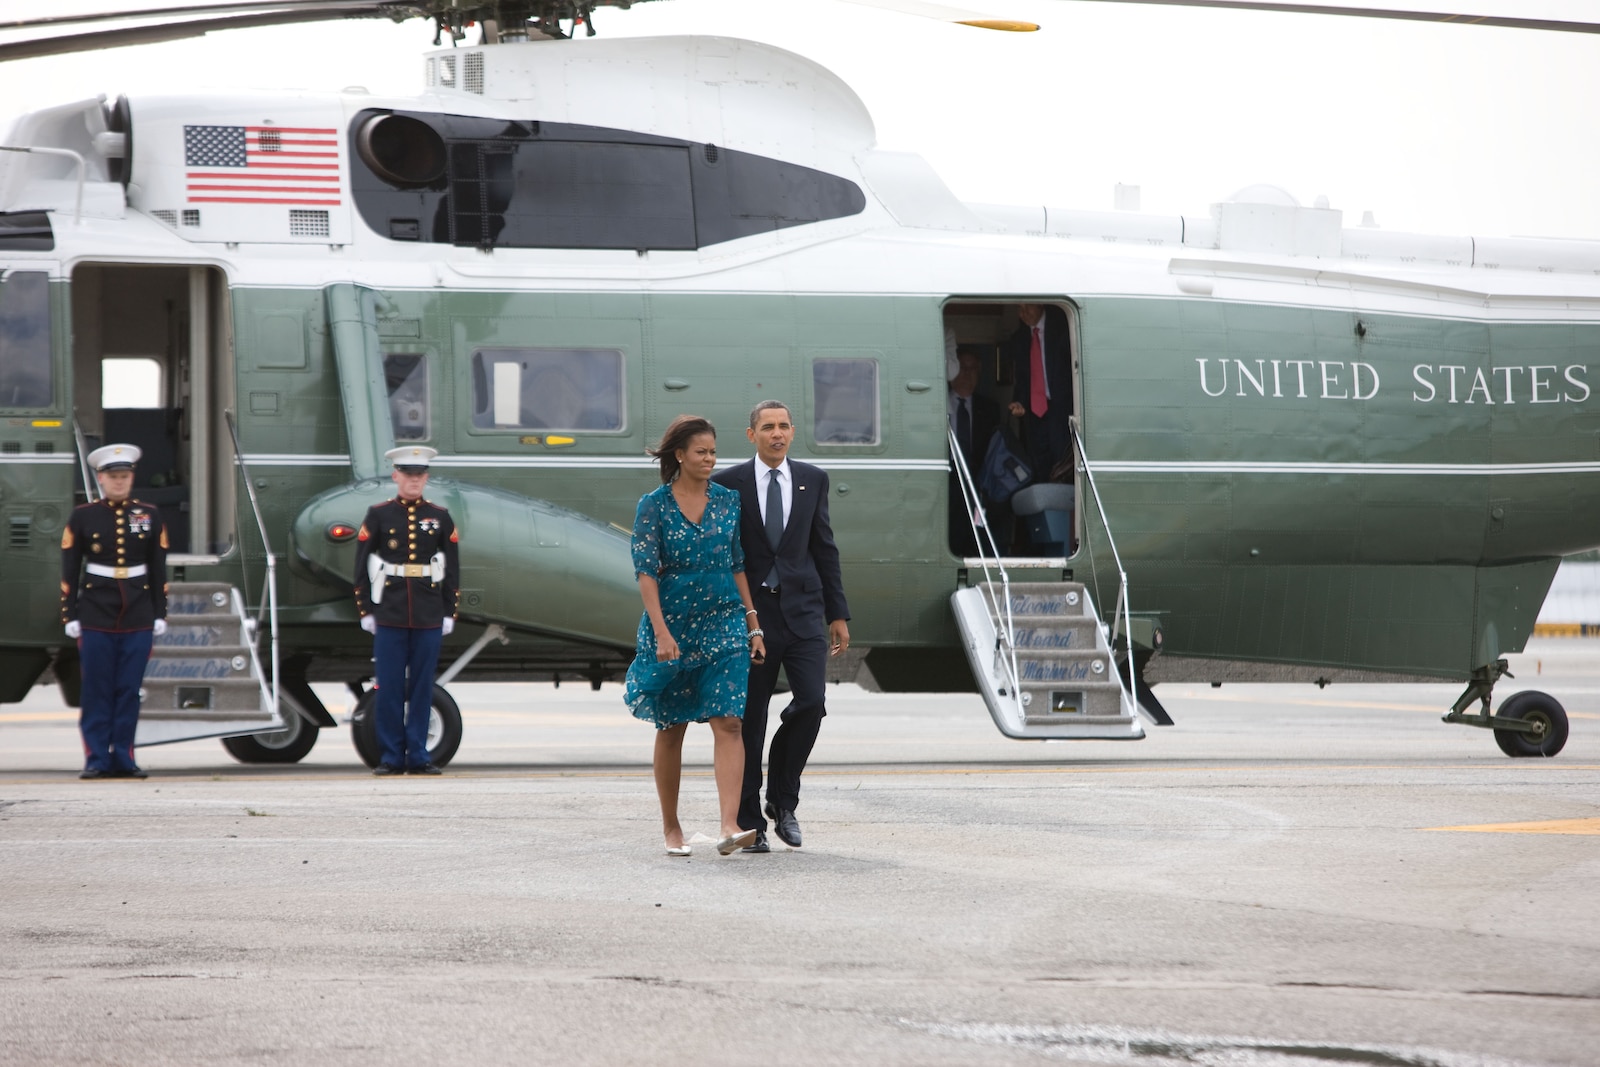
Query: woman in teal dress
x,y
698,633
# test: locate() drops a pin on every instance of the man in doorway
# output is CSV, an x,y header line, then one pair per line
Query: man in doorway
x,y
114,608
973,419
793,566
1041,368
408,579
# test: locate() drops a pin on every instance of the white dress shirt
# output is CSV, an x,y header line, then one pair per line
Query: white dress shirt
x,y
785,486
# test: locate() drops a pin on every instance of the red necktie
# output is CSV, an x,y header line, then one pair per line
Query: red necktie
x,y
1038,403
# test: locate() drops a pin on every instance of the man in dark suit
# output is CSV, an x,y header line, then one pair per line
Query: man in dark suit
x,y
973,419
1041,367
793,567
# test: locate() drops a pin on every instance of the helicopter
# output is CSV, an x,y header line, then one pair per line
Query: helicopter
x,y
1304,452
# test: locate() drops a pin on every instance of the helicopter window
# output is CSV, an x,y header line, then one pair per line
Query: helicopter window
x,y
130,382
547,389
845,410
406,375
453,179
26,231
25,340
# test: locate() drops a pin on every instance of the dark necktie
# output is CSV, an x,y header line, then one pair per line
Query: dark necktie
x,y
964,429
774,522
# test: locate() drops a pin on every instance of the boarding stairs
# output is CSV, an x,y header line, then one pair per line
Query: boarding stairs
x,y
205,677
1044,660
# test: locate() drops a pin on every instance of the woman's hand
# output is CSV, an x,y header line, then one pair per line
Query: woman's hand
x,y
666,647
758,649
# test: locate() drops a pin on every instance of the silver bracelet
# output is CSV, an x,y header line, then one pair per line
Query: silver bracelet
x,y
757,632
751,611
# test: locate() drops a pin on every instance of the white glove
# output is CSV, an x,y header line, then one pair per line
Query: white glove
x,y
369,623
448,625
74,629
160,627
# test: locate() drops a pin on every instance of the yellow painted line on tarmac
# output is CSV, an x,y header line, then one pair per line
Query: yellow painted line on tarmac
x,y
1582,827
38,716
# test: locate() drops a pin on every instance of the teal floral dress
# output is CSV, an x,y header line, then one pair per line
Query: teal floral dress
x,y
694,565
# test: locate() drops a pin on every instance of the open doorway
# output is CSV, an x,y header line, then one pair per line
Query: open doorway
x,y
1011,373
152,367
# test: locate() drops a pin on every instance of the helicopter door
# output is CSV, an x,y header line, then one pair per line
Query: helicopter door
x,y
152,367
984,342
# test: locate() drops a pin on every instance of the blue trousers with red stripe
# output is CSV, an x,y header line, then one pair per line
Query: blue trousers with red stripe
x,y
407,660
113,670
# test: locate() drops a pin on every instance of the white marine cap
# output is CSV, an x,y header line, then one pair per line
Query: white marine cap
x,y
114,457
411,458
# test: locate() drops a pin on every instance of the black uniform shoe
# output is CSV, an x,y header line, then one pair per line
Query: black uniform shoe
x,y
759,844
94,772
784,825
383,770
426,768
130,772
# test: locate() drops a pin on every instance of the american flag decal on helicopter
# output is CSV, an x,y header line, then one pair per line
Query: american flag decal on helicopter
x,y
261,165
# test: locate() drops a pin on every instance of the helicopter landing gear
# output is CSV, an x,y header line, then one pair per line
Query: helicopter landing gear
x,y
444,728
1540,711
1529,723
288,745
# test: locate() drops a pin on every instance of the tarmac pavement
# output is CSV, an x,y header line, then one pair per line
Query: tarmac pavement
x,y
1288,876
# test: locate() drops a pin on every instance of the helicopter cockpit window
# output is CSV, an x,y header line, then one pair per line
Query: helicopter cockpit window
x,y
547,389
25,340
845,408
492,183
406,376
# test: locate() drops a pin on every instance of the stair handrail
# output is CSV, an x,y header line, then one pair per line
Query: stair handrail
x,y
1120,615
242,613
1005,635
271,586
90,489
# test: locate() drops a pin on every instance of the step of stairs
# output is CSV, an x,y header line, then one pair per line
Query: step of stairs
x,y
201,680
1068,686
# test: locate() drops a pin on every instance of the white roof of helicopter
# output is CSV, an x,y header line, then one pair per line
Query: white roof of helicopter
x,y
738,94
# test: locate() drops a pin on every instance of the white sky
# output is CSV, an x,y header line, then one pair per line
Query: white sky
x,y
1437,128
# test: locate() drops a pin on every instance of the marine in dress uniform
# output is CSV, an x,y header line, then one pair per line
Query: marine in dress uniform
x,y
407,584
113,603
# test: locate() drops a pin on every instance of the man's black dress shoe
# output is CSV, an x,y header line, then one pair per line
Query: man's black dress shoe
x,y
130,772
785,825
759,844
426,768
94,772
383,770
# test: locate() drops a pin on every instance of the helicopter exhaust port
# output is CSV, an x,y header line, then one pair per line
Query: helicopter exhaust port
x,y
401,150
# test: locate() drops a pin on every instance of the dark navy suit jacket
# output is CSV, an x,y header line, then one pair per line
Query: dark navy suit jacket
x,y
1057,364
812,591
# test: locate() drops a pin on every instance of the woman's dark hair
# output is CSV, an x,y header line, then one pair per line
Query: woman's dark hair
x,y
684,429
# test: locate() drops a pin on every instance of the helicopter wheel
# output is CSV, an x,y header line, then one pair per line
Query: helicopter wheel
x,y
1541,709
444,728
288,745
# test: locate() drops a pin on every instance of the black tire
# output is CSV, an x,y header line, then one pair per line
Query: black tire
x,y
289,745
1533,706
444,728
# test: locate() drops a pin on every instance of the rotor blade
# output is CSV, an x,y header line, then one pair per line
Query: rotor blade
x,y
945,13
1504,21
236,7
177,31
